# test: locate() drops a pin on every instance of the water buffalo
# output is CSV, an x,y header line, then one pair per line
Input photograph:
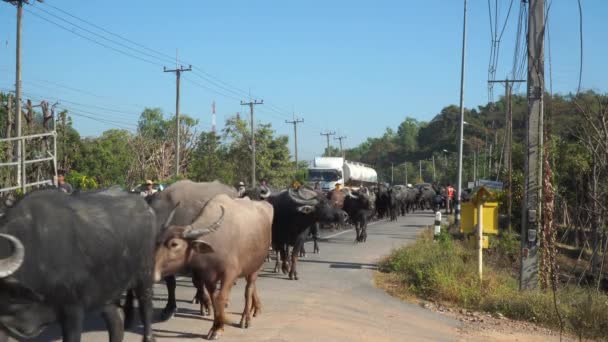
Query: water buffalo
x,y
191,196
393,204
382,201
295,211
73,255
426,197
359,208
237,248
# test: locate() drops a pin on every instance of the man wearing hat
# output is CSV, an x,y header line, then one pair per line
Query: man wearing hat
x,y
241,189
149,189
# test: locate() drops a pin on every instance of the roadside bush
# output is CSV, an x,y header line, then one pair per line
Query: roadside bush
x,y
445,270
80,181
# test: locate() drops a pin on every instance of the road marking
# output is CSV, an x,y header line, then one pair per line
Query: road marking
x,y
346,231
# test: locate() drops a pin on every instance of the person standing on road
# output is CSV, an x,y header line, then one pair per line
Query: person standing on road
x,y
62,185
450,191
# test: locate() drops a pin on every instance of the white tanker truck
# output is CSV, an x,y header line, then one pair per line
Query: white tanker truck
x,y
329,171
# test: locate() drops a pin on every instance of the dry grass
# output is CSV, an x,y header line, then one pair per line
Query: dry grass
x,y
446,271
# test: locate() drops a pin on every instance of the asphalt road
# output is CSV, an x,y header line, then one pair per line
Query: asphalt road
x,y
334,300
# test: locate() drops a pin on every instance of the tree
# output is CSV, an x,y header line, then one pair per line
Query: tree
x,y
106,158
154,145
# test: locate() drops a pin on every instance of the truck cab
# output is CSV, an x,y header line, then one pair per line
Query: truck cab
x,y
327,171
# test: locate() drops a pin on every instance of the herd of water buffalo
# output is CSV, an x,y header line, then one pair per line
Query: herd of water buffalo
x,y
62,256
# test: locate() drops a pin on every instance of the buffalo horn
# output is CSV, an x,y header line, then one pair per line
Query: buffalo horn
x,y
264,193
11,264
192,233
170,217
299,200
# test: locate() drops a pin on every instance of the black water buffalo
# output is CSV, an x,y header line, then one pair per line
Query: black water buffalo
x,y
295,211
411,199
382,201
228,240
426,197
190,196
73,255
359,208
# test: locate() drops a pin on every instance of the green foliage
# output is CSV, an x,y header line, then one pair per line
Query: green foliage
x,y
228,157
81,181
106,157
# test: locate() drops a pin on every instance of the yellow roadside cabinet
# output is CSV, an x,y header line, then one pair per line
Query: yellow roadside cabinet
x,y
469,216
480,218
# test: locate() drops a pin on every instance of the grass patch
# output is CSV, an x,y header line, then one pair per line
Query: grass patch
x,y
446,270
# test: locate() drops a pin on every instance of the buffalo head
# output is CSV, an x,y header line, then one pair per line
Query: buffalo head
x,y
177,243
12,263
309,202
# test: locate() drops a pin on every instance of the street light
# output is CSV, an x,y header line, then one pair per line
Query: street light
x,y
462,65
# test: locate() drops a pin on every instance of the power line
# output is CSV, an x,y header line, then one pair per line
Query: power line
x,y
580,28
112,33
92,40
104,37
214,80
151,55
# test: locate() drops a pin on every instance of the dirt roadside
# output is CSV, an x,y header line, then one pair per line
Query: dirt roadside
x,y
478,326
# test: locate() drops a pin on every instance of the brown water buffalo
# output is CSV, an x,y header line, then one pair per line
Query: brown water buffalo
x,y
237,247
191,196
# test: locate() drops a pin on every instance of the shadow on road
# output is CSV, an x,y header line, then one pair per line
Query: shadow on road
x,y
341,264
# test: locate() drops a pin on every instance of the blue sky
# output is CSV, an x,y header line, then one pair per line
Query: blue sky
x,y
355,67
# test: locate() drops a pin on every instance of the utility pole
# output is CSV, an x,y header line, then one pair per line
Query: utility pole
x,y
340,139
405,166
19,151
420,170
509,143
392,174
295,123
461,130
327,135
178,73
251,104
474,167
531,213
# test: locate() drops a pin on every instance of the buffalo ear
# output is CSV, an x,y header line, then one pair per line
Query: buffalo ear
x,y
201,247
306,209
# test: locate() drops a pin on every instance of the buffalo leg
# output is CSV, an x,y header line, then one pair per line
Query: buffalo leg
x,y
257,303
144,298
302,253
201,296
284,259
71,323
249,304
364,229
277,259
315,238
293,272
219,299
128,309
3,336
171,306
114,322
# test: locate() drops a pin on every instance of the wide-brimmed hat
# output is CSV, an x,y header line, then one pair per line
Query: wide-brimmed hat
x,y
149,182
241,184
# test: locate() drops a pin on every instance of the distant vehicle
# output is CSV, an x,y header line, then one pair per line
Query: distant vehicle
x,y
329,171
